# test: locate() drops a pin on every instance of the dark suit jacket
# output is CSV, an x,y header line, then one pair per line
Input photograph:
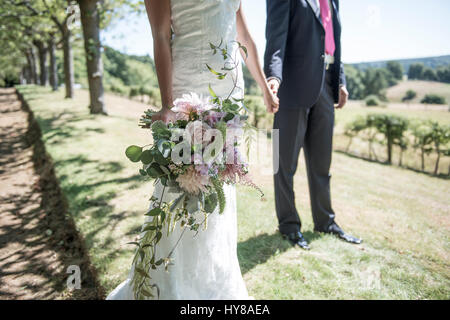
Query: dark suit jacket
x,y
295,51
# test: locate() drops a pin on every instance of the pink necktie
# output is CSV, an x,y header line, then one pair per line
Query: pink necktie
x,y
327,22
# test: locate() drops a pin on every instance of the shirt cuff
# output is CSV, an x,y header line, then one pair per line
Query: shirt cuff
x,y
270,78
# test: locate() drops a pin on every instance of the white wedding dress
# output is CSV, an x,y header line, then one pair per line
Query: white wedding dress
x,y
205,266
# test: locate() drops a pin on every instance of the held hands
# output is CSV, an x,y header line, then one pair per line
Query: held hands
x,y
343,97
270,96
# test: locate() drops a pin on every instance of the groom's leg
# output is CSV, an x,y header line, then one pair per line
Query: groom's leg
x,y
318,149
291,124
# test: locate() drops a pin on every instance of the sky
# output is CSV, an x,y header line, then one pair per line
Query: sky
x,y
372,29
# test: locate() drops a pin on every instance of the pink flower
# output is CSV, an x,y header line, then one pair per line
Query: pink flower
x,y
195,132
213,117
191,103
192,181
234,123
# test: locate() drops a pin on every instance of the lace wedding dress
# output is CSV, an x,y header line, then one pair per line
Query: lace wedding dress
x,y
205,265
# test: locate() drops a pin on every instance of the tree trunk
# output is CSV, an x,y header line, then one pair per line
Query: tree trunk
x,y
349,144
436,166
53,67
27,74
31,58
90,21
400,161
42,53
422,156
68,62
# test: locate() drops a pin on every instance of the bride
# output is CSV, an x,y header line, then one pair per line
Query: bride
x,y
205,266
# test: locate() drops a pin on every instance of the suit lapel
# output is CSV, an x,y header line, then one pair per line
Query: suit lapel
x,y
315,9
335,12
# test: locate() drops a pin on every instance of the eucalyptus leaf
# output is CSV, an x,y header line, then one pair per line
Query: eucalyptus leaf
x,y
210,202
133,153
193,204
146,157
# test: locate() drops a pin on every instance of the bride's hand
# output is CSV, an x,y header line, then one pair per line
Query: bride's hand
x,y
271,101
165,114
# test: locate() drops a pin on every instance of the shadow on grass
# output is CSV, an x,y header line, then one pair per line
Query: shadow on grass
x,y
80,194
349,154
259,249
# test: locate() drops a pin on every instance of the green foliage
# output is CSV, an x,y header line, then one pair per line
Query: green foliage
x,y
355,82
433,99
372,101
251,87
396,69
416,71
429,75
410,95
394,130
368,82
420,72
258,113
218,187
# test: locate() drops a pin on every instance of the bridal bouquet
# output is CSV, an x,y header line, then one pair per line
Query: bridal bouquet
x,y
193,157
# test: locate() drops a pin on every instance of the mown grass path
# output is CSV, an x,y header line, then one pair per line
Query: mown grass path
x,y
37,242
402,215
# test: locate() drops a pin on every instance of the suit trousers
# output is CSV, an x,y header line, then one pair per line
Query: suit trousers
x,y
310,128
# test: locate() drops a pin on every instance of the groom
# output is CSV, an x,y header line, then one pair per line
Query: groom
x,y
303,65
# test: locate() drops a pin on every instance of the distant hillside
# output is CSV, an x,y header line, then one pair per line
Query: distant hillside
x,y
431,62
397,92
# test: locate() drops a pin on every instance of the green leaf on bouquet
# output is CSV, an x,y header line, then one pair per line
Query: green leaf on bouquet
x,y
164,181
159,158
135,243
210,202
146,157
142,172
153,172
211,92
158,237
177,202
164,146
149,228
154,212
160,130
193,204
218,186
142,272
165,170
146,293
219,75
133,153
229,117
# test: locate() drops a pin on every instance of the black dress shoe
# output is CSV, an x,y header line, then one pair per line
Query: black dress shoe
x,y
338,232
296,239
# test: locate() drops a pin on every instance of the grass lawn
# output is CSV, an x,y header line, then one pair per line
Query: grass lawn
x,y
402,215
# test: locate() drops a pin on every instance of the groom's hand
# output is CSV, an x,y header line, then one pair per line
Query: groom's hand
x,y
274,85
343,97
